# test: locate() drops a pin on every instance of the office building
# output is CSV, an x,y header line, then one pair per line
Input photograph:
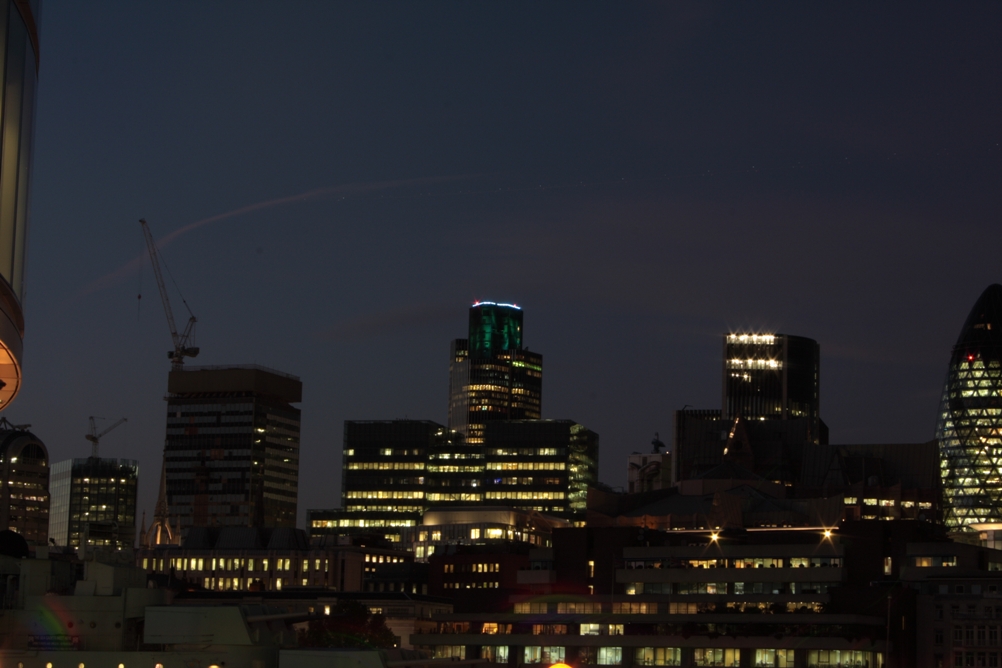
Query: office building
x,y
383,476
24,486
232,450
772,377
541,465
492,376
93,502
454,475
969,428
395,470
20,70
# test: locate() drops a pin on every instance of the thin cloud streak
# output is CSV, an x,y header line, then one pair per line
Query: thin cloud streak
x,y
133,265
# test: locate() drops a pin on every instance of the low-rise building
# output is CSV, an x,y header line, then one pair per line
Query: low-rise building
x,y
406,613
490,525
629,596
959,603
249,559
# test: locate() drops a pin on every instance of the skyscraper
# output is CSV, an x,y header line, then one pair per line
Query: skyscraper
x,y
232,448
93,502
969,429
19,47
24,484
491,375
772,376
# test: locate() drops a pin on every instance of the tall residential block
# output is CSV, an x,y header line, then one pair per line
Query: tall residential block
x,y
93,502
24,484
969,429
492,376
232,448
19,67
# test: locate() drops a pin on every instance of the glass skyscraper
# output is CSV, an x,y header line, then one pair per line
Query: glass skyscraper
x,y
969,429
93,502
491,375
19,68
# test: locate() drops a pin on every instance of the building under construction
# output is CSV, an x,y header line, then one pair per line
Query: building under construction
x,y
231,455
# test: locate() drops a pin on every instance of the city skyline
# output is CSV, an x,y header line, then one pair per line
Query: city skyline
x,y
639,179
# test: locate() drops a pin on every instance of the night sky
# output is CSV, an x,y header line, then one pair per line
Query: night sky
x,y
640,177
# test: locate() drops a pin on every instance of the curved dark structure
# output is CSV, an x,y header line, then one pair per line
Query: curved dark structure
x,y
19,69
970,419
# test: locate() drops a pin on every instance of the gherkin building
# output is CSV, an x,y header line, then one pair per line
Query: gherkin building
x,y
969,429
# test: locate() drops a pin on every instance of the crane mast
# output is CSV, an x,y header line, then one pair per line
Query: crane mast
x,y
181,341
95,438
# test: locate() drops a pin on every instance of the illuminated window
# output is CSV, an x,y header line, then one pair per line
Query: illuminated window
x,y
717,657
610,656
658,656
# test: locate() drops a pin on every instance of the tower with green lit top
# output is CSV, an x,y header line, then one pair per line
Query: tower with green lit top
x,y
491,375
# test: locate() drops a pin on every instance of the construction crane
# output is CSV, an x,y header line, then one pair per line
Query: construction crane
x,y
94,437
182,348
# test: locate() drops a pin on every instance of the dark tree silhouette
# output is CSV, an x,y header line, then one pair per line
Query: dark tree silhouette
x,y
348,625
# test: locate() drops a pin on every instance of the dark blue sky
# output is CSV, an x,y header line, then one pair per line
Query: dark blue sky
x,y
640,177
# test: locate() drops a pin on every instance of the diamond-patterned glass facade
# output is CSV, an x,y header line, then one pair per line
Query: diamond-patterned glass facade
x,y
970,419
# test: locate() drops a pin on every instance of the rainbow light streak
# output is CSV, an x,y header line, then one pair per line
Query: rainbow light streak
x,y
51,616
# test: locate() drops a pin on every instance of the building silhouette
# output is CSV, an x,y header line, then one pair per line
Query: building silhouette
x,y
969,428
491,375
24,484
770,409
20,72
232,450
93,502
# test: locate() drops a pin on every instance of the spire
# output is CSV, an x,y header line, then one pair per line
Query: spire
x,y
160,530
